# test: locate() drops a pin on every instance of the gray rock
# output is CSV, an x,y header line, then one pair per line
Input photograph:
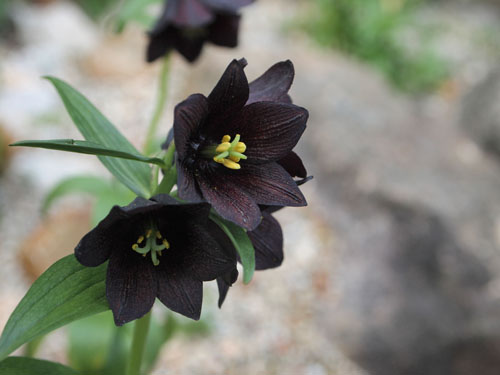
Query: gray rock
x,y
481,113
414,205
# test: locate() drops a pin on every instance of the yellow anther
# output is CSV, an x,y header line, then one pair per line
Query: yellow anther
x,y
230,153
148,233
240,147
135,246
140,239
230,164
158,235
143,255
166,244
224,146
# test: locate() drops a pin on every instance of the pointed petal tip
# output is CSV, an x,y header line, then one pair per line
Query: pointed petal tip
x,y
243,62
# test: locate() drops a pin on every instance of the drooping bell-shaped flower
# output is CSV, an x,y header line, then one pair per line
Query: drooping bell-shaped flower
x,y
234,147
185,25
156,248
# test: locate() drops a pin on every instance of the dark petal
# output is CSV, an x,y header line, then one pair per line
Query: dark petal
x,y
273,85
186,185
188,116
165,199
293,165
224,30
223,284
95,247
268,184
173,37
179,292
230,201
189,46
304,180
130,286
223,240
285,99
229,95
161,43
138,206
202,256
231,6
269,130
267,240
183,13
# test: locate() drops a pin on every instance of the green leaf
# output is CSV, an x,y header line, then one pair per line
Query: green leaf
x,y
107,199
97,128
76,184
86,147
241,242
31,366
67,291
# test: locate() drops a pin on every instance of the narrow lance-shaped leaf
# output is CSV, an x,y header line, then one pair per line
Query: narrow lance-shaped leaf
x,y
97,128
241,242
76,184
31,366
67,291
86,147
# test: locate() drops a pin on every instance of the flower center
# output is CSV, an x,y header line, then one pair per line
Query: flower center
x,y
230,153
151,242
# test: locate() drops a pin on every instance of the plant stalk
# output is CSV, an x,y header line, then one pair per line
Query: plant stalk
x,y
141,329
161,102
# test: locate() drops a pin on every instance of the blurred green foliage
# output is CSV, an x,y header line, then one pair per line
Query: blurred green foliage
x,y
97,8
370,30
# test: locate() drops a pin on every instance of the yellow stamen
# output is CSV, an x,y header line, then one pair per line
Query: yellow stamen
x,y
230,164
240,147
224,146
229,153
151,245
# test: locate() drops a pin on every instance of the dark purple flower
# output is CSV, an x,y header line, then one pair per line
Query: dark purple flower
x,y
156,248
186,24
234,148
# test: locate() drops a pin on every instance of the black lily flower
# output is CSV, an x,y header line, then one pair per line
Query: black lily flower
x,y
236,175
186,24
156,248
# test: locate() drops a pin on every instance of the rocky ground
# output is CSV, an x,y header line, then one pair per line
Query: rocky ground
x,y
393,268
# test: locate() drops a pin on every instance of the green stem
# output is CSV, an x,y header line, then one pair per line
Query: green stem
x,y
169,156
160,107
32,347
170,172
168,182
141,329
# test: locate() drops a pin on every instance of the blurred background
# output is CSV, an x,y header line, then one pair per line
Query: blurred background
x,y
394,266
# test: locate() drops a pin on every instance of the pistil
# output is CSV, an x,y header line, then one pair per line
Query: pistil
x,y
151,242
230,153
